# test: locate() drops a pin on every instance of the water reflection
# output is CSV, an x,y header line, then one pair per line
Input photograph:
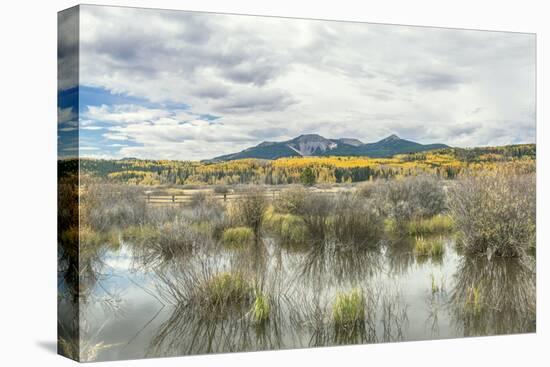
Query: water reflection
x,y
404,299
494,297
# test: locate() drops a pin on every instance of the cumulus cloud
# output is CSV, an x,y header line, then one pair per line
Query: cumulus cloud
x,y
273,78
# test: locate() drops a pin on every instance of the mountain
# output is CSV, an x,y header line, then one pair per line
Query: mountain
x,y
316,145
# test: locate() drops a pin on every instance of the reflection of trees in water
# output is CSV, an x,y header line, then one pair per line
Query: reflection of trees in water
x,y
494,297
384,321
192,329
399,254
337,265
81,281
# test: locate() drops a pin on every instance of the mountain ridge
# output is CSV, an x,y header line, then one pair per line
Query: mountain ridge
x,y
306,145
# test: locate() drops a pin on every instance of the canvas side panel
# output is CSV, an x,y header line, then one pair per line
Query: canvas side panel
x,y
68,334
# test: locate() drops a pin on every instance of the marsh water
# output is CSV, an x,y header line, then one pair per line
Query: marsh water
x,y
134,310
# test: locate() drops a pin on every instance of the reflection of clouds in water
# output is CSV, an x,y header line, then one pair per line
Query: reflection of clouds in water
x,y
301,285
120,260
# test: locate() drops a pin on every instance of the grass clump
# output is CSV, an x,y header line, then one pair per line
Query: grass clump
x,y
437,224
432,247
348,309
226,288
261,308
238,236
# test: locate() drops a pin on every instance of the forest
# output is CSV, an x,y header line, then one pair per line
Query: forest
x,y
448,163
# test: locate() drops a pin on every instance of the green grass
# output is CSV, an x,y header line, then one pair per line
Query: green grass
x,y
226,288
349,308
438,224
238,236
261,308
425,247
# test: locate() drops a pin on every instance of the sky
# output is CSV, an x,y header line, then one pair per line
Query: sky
x,y
182,85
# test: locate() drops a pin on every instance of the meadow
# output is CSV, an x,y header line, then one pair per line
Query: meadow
x,y
298,252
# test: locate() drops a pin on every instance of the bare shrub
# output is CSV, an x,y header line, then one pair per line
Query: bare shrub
x,y
316,212
410,198
105,206
356,221
291,200
495,213
250,207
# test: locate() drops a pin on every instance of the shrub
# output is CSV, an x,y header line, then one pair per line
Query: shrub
x,y
368,189
198,198
429,247
105,206
348,309
316,213
290,229
412,197
495,213
156,245
251,207
221,189
237,237
356,221
291,201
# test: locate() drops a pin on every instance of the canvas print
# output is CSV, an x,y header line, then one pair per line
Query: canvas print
x,y
232,183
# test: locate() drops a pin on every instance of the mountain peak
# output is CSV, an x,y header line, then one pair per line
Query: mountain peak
x,y
311,144
310,137
392,137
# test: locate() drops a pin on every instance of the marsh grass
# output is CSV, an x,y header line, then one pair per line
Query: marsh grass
x,y
432,247
438,224
238,237
261,308
225,289
348,310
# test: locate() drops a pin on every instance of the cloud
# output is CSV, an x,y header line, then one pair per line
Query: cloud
x,y
274,78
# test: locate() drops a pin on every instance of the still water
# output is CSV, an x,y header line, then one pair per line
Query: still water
x,y
134,310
